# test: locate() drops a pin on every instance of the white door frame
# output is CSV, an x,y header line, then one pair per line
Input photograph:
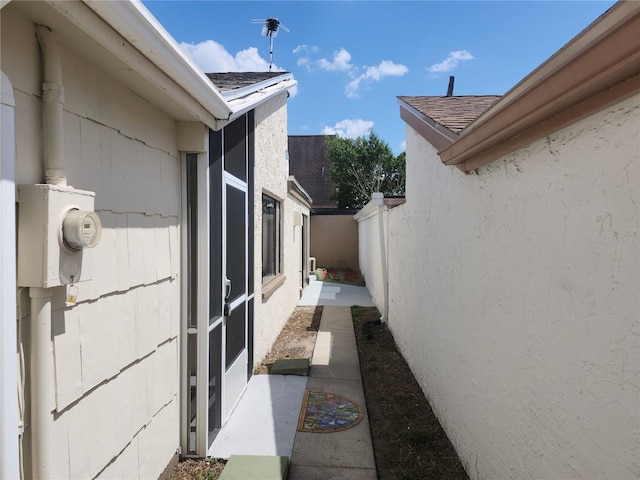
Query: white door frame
x,y
234,378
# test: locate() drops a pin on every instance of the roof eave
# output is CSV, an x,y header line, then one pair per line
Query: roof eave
x,y
436,134
138,26
294,187
260,93
597,68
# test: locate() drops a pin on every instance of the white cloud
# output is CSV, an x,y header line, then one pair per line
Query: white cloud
x,y
374,74
350,128
403,146
305,48
212,57
339,63
451,61
293,91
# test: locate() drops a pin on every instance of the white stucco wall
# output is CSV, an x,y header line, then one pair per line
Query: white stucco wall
x,y
116,351
271,142
514,298
370,253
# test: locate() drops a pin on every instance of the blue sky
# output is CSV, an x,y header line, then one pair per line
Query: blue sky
x,y
352,59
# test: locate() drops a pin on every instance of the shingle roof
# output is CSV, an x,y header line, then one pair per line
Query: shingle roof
x,y
309,164
455,112
234,80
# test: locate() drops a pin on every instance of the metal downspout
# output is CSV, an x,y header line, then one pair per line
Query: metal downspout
x,y
42,384
53,105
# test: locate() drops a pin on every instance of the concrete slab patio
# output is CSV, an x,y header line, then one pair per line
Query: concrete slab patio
x,y
264,421
330,293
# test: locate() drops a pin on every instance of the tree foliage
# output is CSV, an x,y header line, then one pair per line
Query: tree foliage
x,y
361,166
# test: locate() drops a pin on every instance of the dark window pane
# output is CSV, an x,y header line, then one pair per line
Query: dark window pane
x,y
270,236
235,334
250,227
235,148
236,241
215,224
250,337
215,374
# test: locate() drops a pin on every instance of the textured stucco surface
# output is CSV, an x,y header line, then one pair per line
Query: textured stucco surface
x,y
115,351
334,241
370,253
514,298
271,314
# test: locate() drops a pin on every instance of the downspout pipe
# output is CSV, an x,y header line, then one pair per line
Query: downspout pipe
x,y
53,106
42,383
378,199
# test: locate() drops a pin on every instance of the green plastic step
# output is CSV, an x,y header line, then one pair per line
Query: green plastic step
x,y
255,467
291,366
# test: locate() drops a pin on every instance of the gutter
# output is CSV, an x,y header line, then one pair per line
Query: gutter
x,y
139,27
129,32
242,92
599,67
294,188
257,94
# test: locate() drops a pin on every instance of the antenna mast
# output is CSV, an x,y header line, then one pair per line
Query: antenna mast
x,y
270,29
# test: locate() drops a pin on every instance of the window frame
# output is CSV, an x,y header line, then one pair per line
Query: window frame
x,y
274,277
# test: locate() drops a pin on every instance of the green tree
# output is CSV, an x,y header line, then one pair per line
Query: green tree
x,y
361,166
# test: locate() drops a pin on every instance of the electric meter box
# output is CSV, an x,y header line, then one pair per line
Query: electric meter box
x,y
45,257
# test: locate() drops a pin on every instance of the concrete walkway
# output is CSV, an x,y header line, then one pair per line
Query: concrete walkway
x,y
335,368
264,422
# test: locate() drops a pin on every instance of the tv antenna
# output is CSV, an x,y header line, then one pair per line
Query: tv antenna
x,y
270,29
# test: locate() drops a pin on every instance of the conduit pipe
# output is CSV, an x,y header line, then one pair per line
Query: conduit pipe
x,y
42,384
53,105
378,199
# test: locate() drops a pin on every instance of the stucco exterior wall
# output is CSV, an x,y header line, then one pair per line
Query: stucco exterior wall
x,y
272,313
370,253
116,351
334,241
514,299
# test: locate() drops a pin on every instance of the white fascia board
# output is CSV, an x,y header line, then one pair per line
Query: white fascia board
x,y
254,98
139,27
249,89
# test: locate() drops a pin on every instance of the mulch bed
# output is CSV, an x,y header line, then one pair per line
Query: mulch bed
x,y
408,441
340,275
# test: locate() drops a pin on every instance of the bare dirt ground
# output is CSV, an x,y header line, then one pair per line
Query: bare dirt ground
x,y
297,338
408,441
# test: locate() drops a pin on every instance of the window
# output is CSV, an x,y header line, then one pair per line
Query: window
x,y
270,237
